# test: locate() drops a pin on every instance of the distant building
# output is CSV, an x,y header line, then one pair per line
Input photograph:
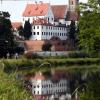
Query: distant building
x,y
50,23
43,30
54,14
38,10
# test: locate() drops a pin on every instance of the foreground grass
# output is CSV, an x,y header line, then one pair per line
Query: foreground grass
x,y
11,88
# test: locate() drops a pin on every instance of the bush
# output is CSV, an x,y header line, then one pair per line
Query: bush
x,y
31,55
78,54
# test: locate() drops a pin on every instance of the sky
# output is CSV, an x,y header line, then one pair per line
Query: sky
x,y
16,7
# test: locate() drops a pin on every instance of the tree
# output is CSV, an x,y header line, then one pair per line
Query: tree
x,y
27,30
89,27
72,31
21,30
6,35
46,47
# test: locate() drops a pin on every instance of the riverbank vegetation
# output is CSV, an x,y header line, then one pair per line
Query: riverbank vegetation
x,y
11,88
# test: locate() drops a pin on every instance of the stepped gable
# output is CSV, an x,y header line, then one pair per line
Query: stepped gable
x,y
59,11
36,9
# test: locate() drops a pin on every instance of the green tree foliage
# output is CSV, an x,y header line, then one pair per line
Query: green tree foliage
x,y
72,31
89,27
6,34
11,88
46,47
21,30
27,30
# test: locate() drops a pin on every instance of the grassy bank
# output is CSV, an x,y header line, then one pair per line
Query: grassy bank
x,y
19,64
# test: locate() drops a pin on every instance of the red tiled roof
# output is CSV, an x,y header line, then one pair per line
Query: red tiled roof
x,y
40,21
72,16
59,11
36,9
16,24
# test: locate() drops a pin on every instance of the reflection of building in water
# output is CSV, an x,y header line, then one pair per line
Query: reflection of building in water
x,y
47,86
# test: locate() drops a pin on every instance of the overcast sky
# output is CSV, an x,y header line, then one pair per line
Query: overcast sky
x,y
16,7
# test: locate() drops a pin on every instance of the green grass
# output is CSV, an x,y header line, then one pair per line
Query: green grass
x,y
11,88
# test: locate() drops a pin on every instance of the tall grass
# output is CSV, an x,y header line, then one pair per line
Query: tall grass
x,y
12,89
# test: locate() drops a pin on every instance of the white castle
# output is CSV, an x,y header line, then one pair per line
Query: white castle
x,y
50,20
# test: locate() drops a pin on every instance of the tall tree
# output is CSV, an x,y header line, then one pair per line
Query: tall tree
x,y
27,30
6,34
89,27
72,31
21,30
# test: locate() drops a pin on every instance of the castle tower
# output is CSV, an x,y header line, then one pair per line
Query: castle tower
x,y
72,4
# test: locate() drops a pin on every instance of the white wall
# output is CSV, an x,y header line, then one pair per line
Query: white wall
x,y
47,32
35,35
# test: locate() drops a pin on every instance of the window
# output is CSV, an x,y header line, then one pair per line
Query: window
x,y
42,33
51,33
52,18
38,92
37,27
62,34
48,19
38,86
37,33
34,86
42,27
34,33
34,27
58,34
34,92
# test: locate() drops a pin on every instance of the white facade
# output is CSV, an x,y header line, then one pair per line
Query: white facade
x,y
47,87
46,32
